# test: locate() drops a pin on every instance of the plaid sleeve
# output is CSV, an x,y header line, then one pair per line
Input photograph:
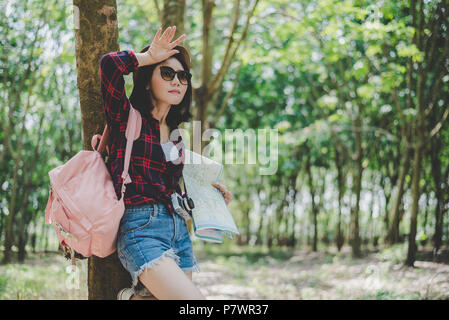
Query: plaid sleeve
x,y
113,66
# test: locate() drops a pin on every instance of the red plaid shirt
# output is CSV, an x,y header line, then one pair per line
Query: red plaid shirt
x,y
153,178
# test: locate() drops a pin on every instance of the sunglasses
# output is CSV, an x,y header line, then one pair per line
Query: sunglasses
x,y
168,74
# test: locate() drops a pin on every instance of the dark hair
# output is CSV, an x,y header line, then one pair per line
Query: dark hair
x,y
140,96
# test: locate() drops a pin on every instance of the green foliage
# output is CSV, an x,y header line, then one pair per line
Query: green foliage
x,y
44,277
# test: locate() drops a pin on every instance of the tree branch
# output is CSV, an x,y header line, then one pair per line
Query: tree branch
x,y
229,56
439,124
402,121
158,10
224,103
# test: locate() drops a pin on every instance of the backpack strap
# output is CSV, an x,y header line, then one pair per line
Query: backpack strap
x,y
104,140
133,128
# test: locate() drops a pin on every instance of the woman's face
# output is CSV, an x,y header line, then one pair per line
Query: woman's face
x,y
161,88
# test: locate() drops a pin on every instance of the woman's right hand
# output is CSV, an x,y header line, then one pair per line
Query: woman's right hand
x,y
161,48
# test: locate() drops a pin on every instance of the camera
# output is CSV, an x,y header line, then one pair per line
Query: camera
x,y
182,205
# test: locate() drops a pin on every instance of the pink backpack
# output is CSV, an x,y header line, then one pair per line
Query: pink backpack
x,y
82,203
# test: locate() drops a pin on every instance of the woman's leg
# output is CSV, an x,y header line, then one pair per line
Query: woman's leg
x,y
137,297
166,280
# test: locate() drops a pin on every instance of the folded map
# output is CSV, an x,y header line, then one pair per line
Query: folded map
x,y
211,216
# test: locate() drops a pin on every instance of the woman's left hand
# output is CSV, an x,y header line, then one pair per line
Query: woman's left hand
x,y
161,47
225,192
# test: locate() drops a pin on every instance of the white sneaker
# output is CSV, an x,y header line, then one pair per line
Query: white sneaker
x,y
125,294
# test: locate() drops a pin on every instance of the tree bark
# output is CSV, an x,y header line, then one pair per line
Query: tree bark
x,y
97,34
393,232
411,253
259,239
418,22
247,225
314,205
357,185
340,182
436,173
11,217
289,224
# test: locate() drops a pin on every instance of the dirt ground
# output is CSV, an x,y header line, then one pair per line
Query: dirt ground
x,y
256,273
316,275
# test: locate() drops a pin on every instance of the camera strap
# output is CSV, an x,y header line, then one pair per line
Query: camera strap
x,y
179,187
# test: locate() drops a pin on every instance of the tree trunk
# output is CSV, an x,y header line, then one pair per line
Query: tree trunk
x,y
281,215
259,240
2,218
411,253
247,226
97,34
290,231
12,215
419,132
393,232
436,173
340,182
22,238
270,231
372,221
388,196
289,221
357,188
45,236
314,205
292,239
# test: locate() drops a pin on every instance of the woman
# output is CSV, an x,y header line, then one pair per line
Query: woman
x,y
153,241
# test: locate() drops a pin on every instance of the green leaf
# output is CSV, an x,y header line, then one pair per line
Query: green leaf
x,y
366,91
409,50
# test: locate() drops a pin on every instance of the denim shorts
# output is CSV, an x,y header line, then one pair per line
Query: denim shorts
x,y
149,232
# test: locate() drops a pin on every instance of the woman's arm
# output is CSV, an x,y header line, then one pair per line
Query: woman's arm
x,y
144,59
113,66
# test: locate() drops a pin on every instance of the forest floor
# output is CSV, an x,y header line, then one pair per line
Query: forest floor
x,y
231,272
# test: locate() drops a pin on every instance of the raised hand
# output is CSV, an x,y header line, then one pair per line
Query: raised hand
x,y
161,48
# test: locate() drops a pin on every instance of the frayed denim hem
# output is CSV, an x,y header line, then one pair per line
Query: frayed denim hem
x,y
169,253
143,291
